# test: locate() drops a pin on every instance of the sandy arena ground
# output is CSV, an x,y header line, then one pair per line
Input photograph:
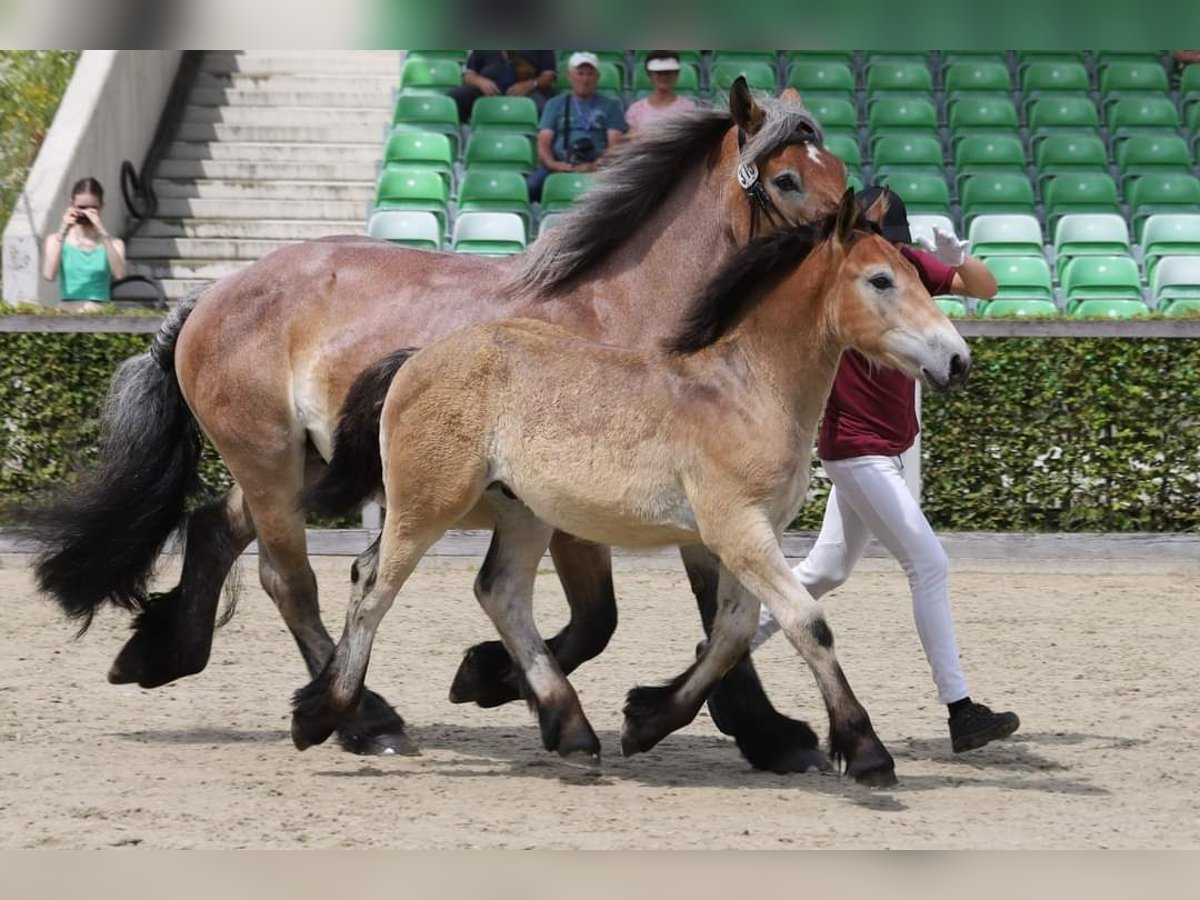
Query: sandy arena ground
x,y
1103,669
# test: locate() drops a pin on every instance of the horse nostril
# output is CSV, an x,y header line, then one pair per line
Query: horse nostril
x,y
959,367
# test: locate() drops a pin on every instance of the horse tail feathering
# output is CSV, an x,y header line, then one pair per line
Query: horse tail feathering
x,y
100,538
356,472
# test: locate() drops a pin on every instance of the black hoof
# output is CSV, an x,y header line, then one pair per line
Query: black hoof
x,y
871,765
153,657
314,717
375,729
787,760
647,719
485,677
570,735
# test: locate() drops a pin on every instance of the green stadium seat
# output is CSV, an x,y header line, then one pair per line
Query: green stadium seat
x,y
996,192
768,57
845,148
509,114
1162,193
835,116
950,57
1053,77
1189,89
1105,308
955,307
820,77
1176,279
905,153
1062,115
968,77
562,189
686,85
980,154
1020,308
497,150
1169,234
458,57
1021,277
912,57
760,76
436,113
407,228
854,181
1062,154
494,191
420,148
1085,192
1142,115
981,115
910,77
1100,278
1144,154
691,58
921,192
1005,235
413,188
906,115
1183,309
1090,234
429,76
489,233
1128,78
1026,58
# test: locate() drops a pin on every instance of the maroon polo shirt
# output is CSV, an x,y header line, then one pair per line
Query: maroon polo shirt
x,y
872,410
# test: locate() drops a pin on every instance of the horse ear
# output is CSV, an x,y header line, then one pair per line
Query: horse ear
x,y
746,113
791,95
847,218
877,210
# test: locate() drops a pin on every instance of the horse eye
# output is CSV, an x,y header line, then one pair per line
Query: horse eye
x,y
881,282
786,183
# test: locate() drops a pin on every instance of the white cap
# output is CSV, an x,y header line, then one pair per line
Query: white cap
x,y
663,64
583,58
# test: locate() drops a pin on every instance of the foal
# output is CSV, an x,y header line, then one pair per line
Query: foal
x,y
707,442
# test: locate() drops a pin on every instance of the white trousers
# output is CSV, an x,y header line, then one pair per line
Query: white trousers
x,y
869,497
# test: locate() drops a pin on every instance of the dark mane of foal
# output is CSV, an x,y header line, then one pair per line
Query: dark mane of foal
x,y
755,271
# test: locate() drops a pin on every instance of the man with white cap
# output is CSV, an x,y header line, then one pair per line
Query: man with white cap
x,y
663,68
579,127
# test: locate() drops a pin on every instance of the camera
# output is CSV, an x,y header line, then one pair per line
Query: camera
x,y
81,218
581,151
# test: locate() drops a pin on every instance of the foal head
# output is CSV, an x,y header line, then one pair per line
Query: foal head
x,y
877,304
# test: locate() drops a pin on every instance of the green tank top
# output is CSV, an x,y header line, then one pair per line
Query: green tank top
x,y
84,274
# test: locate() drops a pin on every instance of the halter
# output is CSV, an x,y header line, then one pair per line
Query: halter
x,y
756,193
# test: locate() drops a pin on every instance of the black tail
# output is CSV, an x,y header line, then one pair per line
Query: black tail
x,y
100,539
355,472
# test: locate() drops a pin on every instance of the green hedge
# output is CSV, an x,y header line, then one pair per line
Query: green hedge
x,y
1048,435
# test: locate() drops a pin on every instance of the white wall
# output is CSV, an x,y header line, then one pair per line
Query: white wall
x,y
108,114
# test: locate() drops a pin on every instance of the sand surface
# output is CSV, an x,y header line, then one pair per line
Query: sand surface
x,y
1103,669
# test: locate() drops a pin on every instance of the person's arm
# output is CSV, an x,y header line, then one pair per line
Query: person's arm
x,y
480,83
52,249
114,248
545,151
974,279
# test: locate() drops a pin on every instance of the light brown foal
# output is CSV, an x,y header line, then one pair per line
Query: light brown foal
x,y
706,442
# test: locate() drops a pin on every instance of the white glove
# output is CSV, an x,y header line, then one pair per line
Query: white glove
x,y
948,249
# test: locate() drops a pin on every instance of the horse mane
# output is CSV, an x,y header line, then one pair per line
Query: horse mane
x,y
643,173
753,273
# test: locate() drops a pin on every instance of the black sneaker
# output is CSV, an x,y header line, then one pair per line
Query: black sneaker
x,y
975,725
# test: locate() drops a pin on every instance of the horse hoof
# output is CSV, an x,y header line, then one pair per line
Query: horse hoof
x,y
398,744
580,745
149,663
795,760
309,731
485,677
873,770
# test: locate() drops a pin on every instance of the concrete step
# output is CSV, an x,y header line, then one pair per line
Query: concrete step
x,y
254,189
378,116
176,288
263,229
268,62
171,269
224,248
315,133
345,170
265,151
350,95
297,81
199,208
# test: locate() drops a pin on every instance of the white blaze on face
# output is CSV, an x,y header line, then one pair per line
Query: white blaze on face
x,y
815,155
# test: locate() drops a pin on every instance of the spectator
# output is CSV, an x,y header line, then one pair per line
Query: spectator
x,y
663,68
870,420
82,256
579,128
517,73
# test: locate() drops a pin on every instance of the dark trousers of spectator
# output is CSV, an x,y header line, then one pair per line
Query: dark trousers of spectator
x,y
466,96
535,180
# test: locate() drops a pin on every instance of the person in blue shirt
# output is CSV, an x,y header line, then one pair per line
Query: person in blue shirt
x,y
577,128
516,73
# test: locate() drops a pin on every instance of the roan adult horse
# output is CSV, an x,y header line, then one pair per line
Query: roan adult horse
x,y
708,442
260,363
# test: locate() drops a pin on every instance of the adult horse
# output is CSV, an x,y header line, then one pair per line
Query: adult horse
x,y
707,443
261,360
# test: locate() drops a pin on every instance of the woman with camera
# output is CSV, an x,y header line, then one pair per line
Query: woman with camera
x,y
577,128
82,256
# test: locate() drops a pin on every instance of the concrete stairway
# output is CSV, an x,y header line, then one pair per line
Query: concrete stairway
x,y
275,147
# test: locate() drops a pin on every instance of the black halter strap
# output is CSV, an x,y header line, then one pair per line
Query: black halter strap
x,y
756,193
